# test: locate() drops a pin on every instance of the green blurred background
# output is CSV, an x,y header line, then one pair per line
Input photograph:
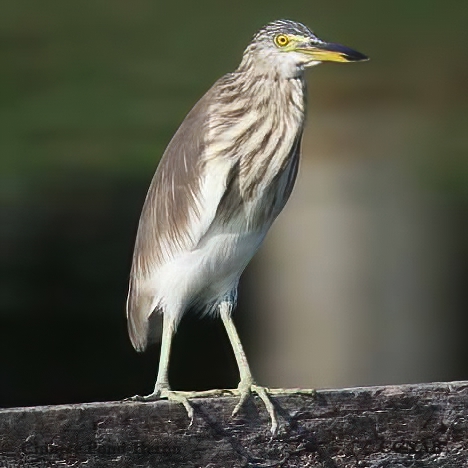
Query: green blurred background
x,y
92,91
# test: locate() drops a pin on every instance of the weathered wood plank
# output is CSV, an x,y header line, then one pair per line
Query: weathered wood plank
x,y
393,427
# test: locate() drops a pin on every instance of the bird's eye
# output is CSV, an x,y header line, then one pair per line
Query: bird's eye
x,y
281,40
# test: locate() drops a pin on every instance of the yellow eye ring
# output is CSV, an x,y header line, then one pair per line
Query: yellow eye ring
x,y
281,40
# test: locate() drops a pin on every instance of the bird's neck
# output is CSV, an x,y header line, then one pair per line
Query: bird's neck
x,y
266,89
255,122
252,95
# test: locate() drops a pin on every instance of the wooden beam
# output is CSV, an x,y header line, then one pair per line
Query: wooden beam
x,y
392,427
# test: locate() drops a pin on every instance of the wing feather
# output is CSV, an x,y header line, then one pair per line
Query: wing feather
x,y
179,207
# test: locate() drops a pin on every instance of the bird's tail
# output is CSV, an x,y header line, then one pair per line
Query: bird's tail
x,y
139,308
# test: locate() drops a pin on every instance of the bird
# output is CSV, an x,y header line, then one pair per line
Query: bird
x,y
223,179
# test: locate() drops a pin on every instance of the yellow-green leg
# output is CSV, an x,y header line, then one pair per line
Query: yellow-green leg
x,y
161,387
247,383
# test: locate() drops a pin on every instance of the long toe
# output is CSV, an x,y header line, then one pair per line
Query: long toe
x,y
179,397
150,397
246,390
157,394
166,393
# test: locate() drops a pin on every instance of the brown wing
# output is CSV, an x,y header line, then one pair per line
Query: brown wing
x,y
164,223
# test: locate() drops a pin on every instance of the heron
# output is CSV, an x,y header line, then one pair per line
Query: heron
x,y
223,179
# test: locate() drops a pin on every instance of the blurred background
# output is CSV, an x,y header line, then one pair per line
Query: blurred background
x,y
363,278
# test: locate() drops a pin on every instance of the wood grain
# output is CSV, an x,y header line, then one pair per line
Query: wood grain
x,y
393,427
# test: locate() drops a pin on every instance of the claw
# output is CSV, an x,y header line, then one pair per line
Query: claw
x,y
262,393
245,389
180,398
170,395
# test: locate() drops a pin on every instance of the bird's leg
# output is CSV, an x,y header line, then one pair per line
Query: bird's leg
x,y
161,387
162,380
247,383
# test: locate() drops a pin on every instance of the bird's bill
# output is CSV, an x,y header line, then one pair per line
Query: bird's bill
x,y
331,52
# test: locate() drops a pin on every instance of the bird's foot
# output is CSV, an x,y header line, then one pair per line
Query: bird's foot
x,y
164,392
245,389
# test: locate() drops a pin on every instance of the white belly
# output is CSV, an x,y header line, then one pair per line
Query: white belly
x,y
204,275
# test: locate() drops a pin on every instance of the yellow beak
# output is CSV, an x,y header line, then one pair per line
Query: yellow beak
x,y
331,52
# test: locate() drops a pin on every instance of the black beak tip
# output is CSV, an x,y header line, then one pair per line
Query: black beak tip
x,y
347,53
355,56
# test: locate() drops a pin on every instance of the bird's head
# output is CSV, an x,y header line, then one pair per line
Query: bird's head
x,y
289,47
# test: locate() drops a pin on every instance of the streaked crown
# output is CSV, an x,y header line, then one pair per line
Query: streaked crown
x,y
286,27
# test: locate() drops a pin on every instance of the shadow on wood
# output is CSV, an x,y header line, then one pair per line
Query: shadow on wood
x,y
393,427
